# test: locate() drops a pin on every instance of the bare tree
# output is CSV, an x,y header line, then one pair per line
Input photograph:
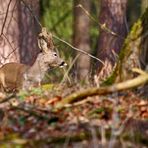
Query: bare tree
x,y
81,36
112,33
18,31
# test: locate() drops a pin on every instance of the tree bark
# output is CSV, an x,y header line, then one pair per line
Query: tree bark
x,y
28,31
81,37
19,30
113,18
134,53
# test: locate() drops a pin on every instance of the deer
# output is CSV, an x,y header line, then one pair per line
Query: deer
x,y
14,76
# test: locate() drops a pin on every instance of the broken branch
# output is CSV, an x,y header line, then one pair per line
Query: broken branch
x,y
103,90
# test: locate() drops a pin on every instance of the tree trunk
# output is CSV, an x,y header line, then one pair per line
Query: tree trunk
x,y
134,53
113,20
29,29
18,41
81,37
9,30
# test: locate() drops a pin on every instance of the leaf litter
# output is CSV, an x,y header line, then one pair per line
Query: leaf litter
x,y
31,119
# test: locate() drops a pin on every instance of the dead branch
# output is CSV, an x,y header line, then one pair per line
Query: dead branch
x,y
102,26
32,111
13,49
7,98
103,90
5,17
79,50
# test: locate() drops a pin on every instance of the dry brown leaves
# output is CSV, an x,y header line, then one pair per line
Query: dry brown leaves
x,y
33,118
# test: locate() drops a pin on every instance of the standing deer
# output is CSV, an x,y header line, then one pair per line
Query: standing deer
x,y
15,75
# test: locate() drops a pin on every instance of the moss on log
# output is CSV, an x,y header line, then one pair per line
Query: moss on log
x,y
134,53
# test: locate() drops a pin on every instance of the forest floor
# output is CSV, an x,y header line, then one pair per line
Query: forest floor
x,y
30,120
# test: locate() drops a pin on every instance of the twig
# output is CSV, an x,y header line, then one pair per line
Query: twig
x,y
35,114
102,26
77,49
68,70
8,98
5,17
13,49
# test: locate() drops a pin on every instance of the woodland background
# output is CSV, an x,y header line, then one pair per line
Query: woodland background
x,y
90,35
72,24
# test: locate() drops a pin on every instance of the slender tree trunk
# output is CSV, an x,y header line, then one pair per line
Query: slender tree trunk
x,y
18,30
81,37
113,18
